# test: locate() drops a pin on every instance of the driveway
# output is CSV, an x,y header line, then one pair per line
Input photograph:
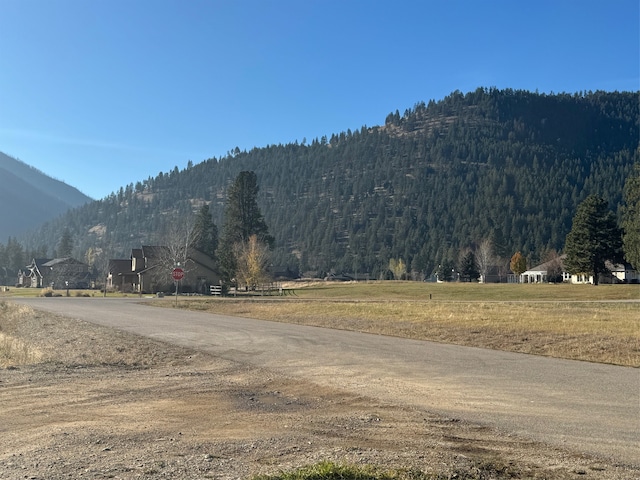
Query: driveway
x,y
586,407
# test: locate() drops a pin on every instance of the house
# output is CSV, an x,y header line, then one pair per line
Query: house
x,y
624,272
136,273
120,276
552,271
200,272
148,270
64,272
616,273
148,264
34,274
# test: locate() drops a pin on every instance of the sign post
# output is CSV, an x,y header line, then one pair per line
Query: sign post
x,y
177,274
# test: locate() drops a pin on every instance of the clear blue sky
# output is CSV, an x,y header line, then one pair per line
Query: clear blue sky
x,y
103,93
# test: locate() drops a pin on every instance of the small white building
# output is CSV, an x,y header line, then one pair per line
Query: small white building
x,y
551,271
616,273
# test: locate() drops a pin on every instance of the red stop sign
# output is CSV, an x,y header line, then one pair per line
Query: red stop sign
x,y
177,274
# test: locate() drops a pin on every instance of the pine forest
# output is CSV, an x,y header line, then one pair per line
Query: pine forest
x,y
424,188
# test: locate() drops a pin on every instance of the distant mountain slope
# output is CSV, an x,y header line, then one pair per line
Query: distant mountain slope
x,y
506,165
30,198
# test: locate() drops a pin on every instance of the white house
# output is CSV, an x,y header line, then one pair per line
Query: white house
x,y
551,271
617,273
625,273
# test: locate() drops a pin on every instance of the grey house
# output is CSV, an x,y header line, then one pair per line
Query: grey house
x,y
58,273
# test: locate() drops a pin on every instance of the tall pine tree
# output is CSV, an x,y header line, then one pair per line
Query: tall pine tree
x,y
205,232
594,238
65,246
631,218
469,268
243,219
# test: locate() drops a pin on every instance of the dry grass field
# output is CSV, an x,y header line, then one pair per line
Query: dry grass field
x,y
581,322
86,401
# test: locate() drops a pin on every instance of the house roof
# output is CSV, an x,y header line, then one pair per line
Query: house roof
x,y
119,266
36,265
65,260
150,251
618,267
38,262
544,267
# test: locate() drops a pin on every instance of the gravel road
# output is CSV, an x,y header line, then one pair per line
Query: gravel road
x,y
584,407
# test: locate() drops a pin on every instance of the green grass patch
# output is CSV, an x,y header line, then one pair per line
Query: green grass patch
x,y
332,471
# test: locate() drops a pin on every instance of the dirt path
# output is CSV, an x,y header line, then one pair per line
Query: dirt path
x,y
115,405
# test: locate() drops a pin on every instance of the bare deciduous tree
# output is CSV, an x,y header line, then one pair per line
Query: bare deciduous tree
x,y
176,247
485,258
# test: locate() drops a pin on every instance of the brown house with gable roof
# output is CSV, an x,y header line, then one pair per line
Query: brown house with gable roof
x,y
146,271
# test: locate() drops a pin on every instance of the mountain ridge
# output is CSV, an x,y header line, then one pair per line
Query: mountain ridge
x,y
506,165
34,197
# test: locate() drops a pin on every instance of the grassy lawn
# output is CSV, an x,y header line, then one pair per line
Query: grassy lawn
x,y
578,322
465,291
39,292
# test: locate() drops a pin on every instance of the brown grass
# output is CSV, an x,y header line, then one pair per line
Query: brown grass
x,y
14,351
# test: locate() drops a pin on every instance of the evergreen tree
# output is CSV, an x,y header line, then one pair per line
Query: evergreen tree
x,y
12,260
205,232
243,219
445,271
65,246
593,239
468,268
631,218
242,214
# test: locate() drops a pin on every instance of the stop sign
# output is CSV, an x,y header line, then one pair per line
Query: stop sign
x,y
177,274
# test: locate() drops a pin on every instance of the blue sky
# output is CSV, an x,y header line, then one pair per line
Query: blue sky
x,y
103,93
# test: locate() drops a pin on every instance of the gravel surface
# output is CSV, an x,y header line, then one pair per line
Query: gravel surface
x,y
84,401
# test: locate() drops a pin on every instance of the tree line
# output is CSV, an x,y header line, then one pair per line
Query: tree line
x,y
244,253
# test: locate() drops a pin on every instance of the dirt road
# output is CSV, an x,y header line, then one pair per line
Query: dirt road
x,y
588,408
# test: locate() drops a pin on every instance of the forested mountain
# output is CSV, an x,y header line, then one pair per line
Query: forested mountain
x,y
30,197
507,165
